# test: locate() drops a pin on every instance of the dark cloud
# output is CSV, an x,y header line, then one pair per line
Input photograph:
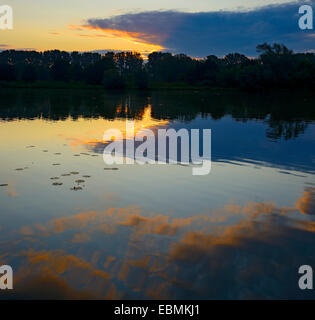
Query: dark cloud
x,y
202,33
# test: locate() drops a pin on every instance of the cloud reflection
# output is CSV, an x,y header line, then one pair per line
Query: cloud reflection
x,y
306,204
239,251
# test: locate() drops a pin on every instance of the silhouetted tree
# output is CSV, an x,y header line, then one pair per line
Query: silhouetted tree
x,y
29,73
94,73
212,66
77,73
113,80
61,70
234,59
276,67
160,66
8,72
129,65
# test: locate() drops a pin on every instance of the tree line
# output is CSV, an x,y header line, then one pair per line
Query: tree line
x,y
275,67
277,110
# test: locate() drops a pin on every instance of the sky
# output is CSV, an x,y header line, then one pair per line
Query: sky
x,y
197,28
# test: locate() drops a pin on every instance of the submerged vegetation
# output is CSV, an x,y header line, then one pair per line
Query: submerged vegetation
x,y
275,67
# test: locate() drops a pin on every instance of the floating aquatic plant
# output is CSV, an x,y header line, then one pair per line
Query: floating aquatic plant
x,y
57,184
76,188
4,185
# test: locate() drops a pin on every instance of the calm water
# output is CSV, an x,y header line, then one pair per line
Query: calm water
x,y
156,231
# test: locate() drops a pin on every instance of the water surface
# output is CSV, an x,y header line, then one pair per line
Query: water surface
x,y
71,229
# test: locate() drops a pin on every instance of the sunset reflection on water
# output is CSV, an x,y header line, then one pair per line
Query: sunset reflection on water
x,y
154,231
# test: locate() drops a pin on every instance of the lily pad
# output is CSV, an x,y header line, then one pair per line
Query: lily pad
x,y
56,164
86,176
54,178
19,169
58,153
57,184
4,185
66,174
110,168
74,172
76,188
79,181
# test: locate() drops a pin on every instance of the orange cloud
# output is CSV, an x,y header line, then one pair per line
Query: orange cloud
x,y
47,286
46,276
81,238
195,260
156,225
146,40
306,204
83,220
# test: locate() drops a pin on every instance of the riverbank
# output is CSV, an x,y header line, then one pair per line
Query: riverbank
x,y
82,86
154,86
